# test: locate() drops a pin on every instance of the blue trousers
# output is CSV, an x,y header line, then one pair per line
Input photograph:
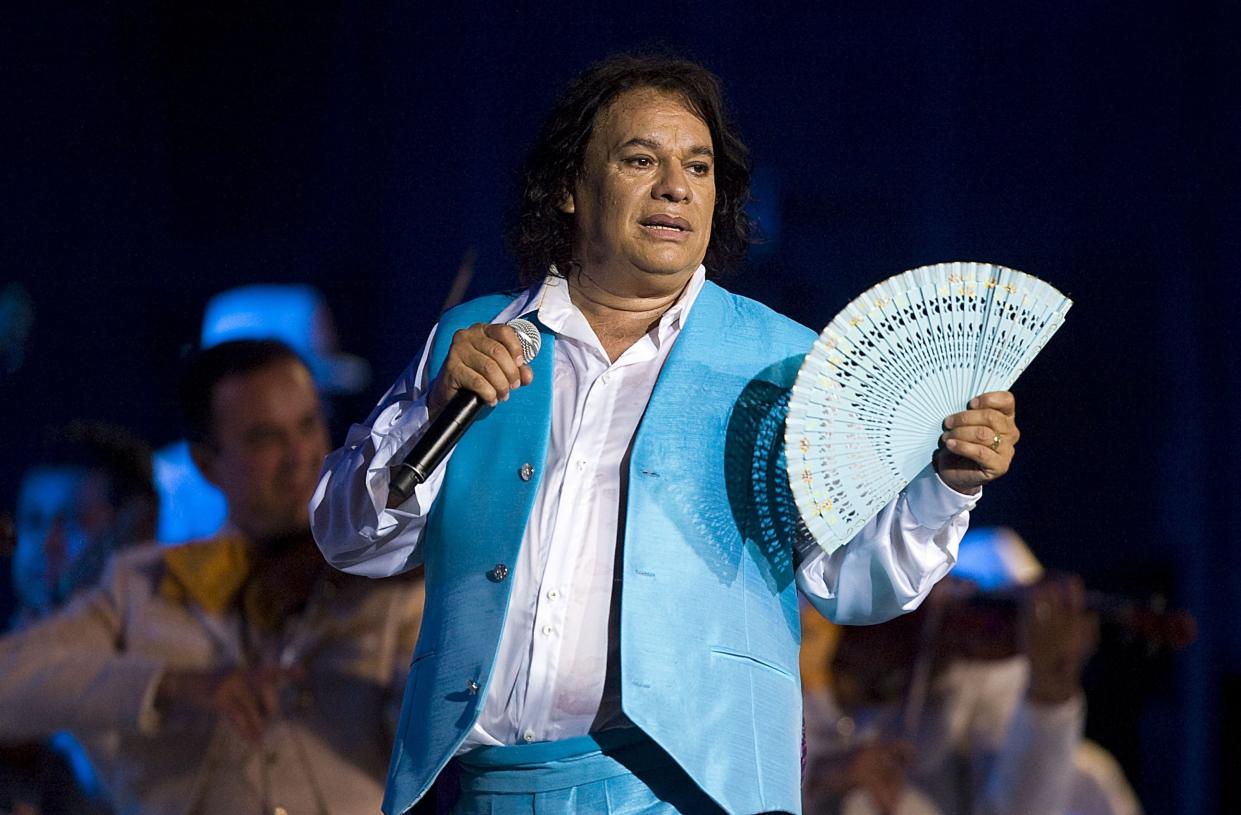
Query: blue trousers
x,y
616,772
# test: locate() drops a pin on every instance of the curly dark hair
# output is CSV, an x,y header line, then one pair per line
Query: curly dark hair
x,y
541,235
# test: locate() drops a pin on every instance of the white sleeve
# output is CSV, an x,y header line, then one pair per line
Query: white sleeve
x,y
1033,773
355,530
889,567
66,672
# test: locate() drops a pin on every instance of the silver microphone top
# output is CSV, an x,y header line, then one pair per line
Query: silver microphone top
x,y
529,338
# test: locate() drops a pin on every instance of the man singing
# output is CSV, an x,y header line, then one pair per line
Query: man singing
x,y
611,620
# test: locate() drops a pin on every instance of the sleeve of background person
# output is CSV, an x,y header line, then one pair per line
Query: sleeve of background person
x,y
1032,773
352,523
890,566
70,672
1099,784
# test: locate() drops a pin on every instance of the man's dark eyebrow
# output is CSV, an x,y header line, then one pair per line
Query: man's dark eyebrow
x,y
651,144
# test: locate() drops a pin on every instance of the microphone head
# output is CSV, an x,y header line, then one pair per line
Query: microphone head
x,y
529,338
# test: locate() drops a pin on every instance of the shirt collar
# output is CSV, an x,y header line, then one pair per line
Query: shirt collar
x,y
550,300
208,572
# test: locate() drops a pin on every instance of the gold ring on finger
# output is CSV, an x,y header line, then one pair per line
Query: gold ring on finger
x,y
995,443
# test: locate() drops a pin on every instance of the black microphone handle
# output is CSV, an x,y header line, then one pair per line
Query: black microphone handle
x,y
441,435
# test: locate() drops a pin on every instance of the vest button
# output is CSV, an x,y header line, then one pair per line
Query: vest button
x,y
471,687
526,471
498,572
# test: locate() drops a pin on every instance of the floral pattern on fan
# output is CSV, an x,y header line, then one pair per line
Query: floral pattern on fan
x,y
869,401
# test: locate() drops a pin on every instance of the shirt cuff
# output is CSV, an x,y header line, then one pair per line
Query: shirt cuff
x,y
932,502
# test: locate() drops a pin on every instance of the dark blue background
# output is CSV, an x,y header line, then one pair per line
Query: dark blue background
x,y
158,153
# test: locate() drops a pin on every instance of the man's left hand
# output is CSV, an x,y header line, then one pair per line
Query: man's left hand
x,y
978,443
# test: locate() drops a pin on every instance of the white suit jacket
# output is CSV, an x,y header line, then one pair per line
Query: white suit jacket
x,y
93,668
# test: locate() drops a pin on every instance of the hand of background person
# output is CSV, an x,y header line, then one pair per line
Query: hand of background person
x,y
1058,635
878,768
484,359
977,444
247,697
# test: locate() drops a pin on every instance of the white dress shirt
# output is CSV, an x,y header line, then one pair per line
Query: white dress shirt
x,y
548,681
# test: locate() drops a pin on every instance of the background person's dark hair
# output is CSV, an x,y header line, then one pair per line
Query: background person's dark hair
x,y
206,368
120,455
541,234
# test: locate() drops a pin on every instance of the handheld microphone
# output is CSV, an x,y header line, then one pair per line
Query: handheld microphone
x,y
445,429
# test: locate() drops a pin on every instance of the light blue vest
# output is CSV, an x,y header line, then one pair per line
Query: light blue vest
x,y
709,620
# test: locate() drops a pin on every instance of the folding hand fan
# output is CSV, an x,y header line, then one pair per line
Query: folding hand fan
x,y
869,402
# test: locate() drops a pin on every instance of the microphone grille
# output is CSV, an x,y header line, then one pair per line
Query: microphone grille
x,y
529,338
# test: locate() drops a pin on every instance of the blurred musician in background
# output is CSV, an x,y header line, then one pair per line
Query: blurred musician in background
x,y
190,507
88,495
968,705
234,674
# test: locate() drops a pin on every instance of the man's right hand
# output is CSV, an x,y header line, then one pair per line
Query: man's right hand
x,y
484,359
248,698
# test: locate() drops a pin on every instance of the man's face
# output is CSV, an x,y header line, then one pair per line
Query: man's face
x,y
268,440
61,512
643,202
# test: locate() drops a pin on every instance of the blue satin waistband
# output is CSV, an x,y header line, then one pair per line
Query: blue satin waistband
x,y
552,765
